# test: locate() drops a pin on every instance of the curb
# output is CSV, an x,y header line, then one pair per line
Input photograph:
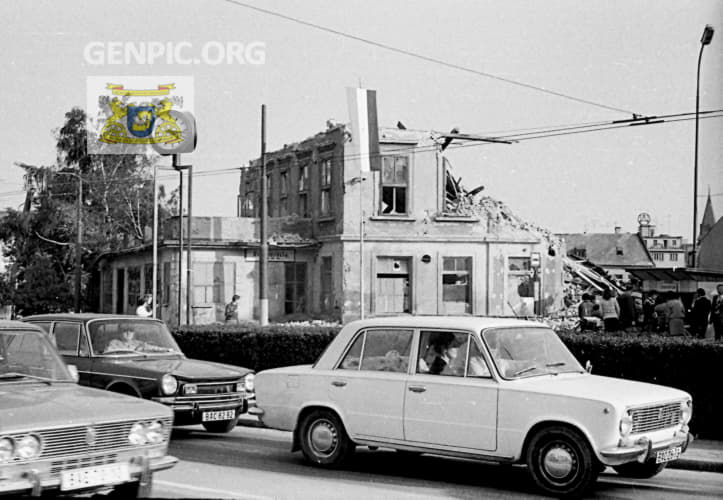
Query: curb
x,y
681,463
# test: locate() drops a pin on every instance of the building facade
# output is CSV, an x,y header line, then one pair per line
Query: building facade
x,y
406,238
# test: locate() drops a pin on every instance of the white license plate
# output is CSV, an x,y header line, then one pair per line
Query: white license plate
x,y
212,416
89,477
667,455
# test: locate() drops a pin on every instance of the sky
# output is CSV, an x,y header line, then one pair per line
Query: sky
x,y
597,61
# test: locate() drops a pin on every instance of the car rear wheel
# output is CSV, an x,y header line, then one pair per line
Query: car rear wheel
x,y
324,440
561,462
640,471
220,427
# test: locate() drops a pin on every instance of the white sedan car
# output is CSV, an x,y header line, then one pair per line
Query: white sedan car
x,y
500,390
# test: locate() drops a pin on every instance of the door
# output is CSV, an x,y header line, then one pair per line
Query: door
x,y
368,385
451,399
72,344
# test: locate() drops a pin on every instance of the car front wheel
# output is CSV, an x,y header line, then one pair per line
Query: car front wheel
x,y
561,462
640,471
324,440
220,427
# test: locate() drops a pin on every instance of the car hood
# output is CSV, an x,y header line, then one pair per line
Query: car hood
x,y
182,368
37,405
612,390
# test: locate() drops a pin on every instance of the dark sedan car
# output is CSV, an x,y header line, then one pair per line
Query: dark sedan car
x,y
138,356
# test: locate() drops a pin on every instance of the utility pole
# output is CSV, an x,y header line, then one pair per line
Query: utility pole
x,y
78,242
264,256
189,266
176,166
154,286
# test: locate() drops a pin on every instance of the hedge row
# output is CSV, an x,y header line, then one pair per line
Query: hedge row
x,y
688,364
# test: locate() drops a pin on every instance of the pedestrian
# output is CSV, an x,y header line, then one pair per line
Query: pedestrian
x,y
699,314
649,311
716,314
231,311
637,295
144,306
610,311
627,308
676,315
661,314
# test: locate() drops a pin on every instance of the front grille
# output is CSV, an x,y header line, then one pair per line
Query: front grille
x,y
653,418
74,441
216,388
56,467
207,399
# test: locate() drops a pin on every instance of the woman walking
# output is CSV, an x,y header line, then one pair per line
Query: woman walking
x,y
610,312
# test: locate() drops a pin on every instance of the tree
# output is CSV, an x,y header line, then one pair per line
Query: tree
x,y
116,209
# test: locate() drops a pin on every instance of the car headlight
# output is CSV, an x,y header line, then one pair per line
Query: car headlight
x,y
626,424
169,384
28,447
7,449
154,432
137,435
249,382
686,411
190,389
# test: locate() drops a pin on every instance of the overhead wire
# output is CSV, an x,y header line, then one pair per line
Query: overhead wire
x,y
427,58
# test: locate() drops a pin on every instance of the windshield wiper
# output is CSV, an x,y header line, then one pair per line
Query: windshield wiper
x,y
9,375
524,370
559,363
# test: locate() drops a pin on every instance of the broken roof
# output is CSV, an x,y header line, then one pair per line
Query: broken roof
x,y
609,249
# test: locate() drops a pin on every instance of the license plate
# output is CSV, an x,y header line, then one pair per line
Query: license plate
x,y
212,416
667,455
89,477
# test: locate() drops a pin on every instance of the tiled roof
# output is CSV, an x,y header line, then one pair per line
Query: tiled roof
x,y
608,249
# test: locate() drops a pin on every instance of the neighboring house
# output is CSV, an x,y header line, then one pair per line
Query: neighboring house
x,y
614,252
224,263
664,249
429,246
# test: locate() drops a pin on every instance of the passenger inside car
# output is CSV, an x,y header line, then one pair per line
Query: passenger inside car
x,y
446,346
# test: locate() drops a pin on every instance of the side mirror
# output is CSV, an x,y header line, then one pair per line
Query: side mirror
x,y
588,366
74,372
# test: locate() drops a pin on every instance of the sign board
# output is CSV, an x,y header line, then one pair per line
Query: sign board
x,y
275,254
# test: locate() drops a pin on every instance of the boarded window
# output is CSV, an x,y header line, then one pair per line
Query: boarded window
x,y
392,285
295,287
207,282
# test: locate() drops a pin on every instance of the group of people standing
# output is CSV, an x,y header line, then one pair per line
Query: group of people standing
x,y
662,313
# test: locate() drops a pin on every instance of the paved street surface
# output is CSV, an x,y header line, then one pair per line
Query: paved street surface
x,y
255,463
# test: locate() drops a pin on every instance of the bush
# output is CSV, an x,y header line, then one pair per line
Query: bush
x,y
688,364
254,346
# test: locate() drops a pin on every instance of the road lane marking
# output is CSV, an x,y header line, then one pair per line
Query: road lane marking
x,y
212,492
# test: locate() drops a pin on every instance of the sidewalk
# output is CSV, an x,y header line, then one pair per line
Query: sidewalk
x,y
702,455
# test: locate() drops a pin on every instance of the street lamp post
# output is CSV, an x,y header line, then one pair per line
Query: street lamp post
x,y
705,40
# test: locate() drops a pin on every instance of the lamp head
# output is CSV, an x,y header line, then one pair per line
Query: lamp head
x,y
707,34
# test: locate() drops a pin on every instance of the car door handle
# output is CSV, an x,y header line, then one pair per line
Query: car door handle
x,y
417,388
339,383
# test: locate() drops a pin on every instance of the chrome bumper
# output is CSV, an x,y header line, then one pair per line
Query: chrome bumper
x,y
643,449
205,403
141,469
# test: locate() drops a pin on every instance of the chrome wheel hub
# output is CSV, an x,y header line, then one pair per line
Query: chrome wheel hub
x,y
322,437
558,462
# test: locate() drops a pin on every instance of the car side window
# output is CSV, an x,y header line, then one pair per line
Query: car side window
x,y
44,325
66,337
380,350
443,353
476,364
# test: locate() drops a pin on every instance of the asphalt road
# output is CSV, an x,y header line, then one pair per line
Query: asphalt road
x,y
254,463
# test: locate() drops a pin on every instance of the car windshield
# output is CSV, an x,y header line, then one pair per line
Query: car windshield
x,y
28,355
131,337
528,351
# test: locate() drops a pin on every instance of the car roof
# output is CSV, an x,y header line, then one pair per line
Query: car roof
x,y
467,323
82,317
7,324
